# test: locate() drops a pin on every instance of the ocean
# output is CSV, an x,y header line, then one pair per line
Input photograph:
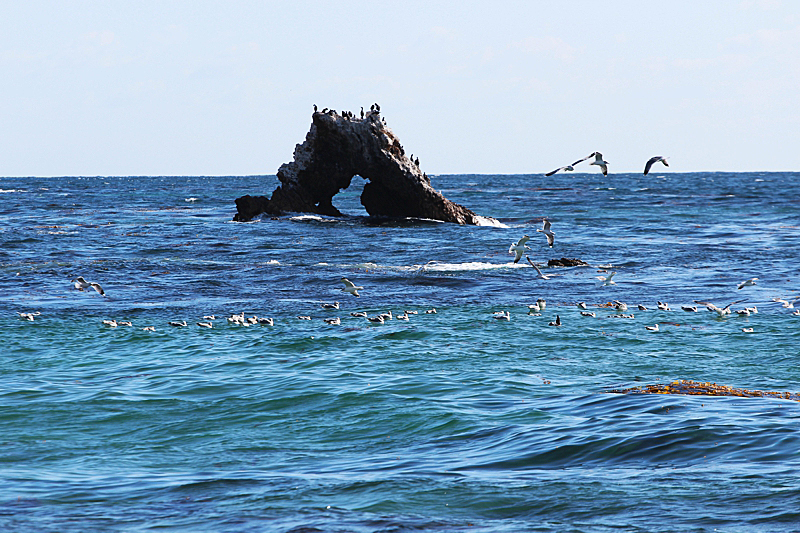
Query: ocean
x,y
453,421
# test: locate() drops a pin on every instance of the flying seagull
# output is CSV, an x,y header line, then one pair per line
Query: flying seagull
x,y
598,160
350,287
606,280
539,272
519,248
652,161
82,284
546,230
747,283
569,168
721,311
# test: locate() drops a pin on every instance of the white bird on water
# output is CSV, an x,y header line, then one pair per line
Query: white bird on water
x,y
652,161
551,236
747,283
539,272
519,247
652,328
334,305
503,315
350,287
598,160
606,280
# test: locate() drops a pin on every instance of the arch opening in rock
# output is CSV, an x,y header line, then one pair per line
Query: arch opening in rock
x,y
338,148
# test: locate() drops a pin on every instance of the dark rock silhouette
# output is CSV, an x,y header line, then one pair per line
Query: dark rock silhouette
x,y
566,262
336,149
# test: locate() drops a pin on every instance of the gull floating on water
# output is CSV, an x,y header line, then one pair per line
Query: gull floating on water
x,y
266,321
652,161
587,313
303,317
747,330
568,168
534,309
205,324
111,323
181,324
662,306
652,328
581,305
333,321
404,316
606,280
519,247
747,283
359,314
538,272
350,287
149,328
598,160
689,308
641,307
334,305
620,306
542,303
502,315
548,233
431,311
556,322
376,319
796,313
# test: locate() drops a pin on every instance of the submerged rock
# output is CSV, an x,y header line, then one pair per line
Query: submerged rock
x,y
697,388
340,147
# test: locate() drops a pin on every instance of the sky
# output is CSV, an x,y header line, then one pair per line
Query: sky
x,y
226,88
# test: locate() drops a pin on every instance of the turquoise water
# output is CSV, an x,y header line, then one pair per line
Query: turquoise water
x,y
453,421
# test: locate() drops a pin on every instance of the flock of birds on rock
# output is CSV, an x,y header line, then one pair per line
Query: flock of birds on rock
x,y
600,162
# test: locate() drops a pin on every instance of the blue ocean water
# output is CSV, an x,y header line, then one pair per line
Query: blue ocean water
x,y
453,421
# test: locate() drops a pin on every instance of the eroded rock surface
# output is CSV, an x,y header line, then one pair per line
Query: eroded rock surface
x,y
336,149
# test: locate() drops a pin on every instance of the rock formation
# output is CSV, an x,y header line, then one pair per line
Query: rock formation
x,y
339,147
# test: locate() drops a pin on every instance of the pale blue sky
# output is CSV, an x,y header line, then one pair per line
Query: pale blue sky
x,y
226,88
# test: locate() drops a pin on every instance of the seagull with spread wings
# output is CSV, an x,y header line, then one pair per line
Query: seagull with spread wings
x,y
598,160
519,247
652,161
569,168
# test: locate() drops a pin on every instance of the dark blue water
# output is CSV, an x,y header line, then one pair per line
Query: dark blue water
x,y
453,421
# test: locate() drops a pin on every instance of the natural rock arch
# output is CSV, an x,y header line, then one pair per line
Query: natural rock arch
x,y
340,147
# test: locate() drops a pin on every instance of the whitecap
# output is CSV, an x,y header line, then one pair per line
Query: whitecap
x,y
435,266
483,221
11,190
192,199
